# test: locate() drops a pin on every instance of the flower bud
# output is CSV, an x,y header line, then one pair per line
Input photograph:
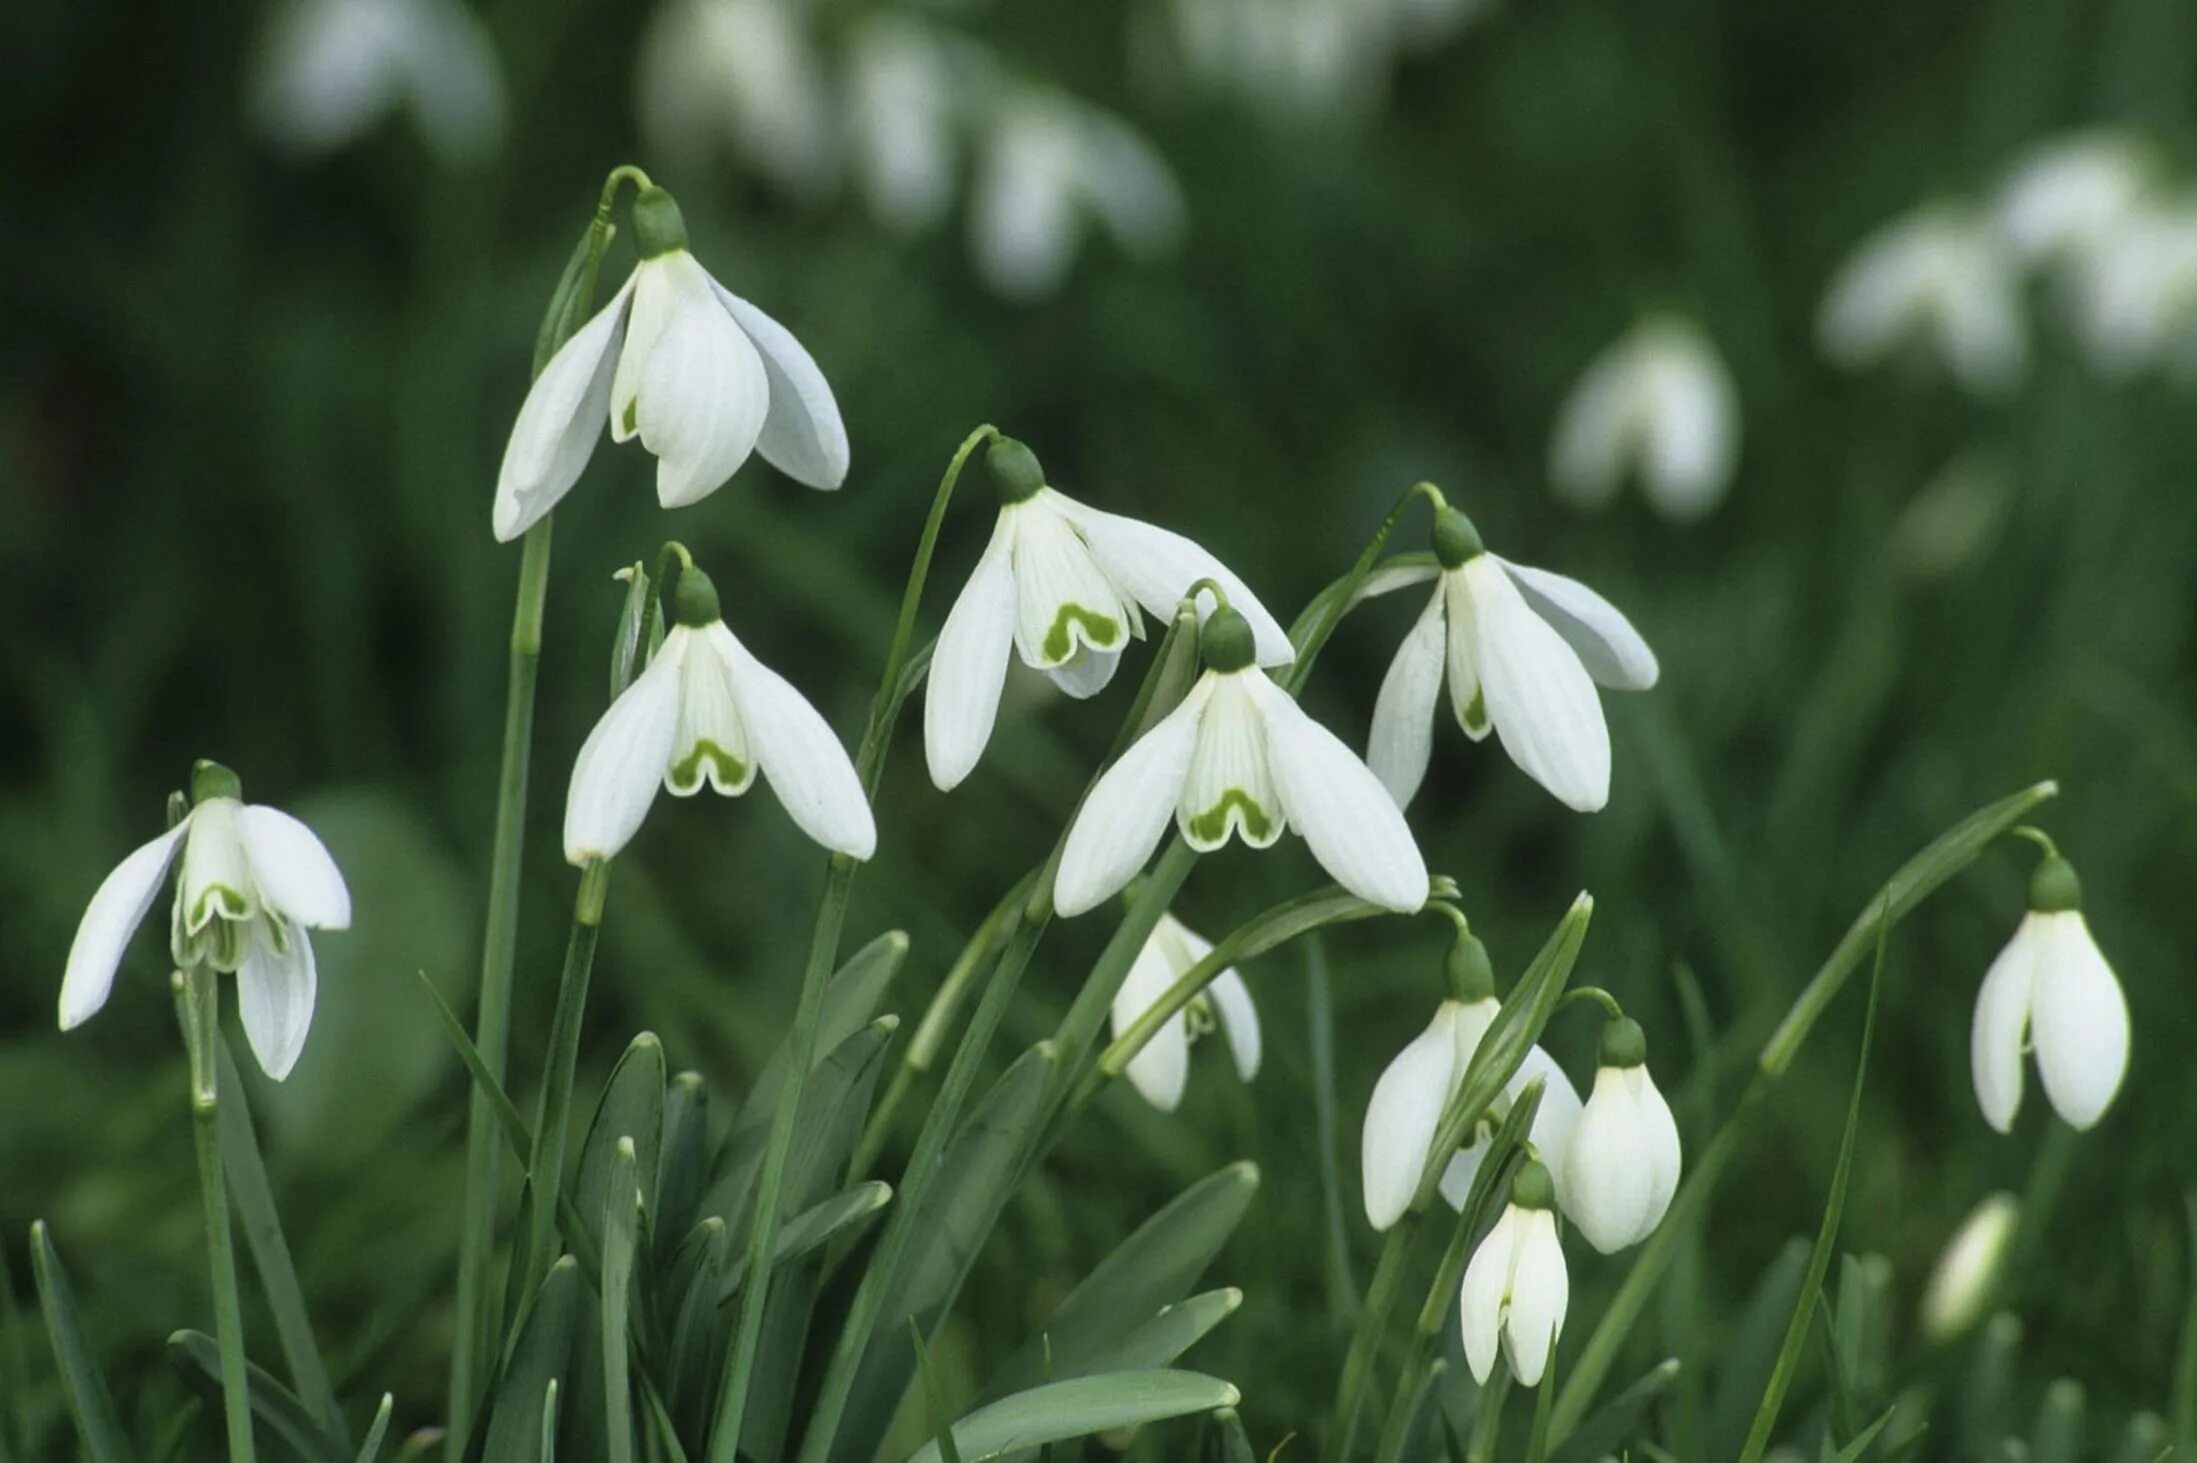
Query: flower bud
x,y
1622,1166
1227,642
658,226
1968,1270
1016,472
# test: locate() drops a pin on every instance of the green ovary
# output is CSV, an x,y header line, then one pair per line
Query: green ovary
x,y
686,773
1100,632
1211,825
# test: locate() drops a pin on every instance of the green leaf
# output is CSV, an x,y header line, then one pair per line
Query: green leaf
x,y
1609,1426
541,1356
700,1327
815,1226
621,1211
851,1000
1079,1407
833,1105
1852,1452
1229,1442
683,1171
549,1422
934,1396
2058,1434
197,1360
1169,1334
90,1404
1749,1355
370,1450
632,1107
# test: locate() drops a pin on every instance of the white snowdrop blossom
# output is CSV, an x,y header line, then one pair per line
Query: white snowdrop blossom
x,y
1239,756
1516,1289
2067,197
1162,1069
2050,990
1523,650
1622,1166
1050,166
1062,585
1938,283
741,74
1962,1283
706,710
901,115
1658,402
332,69
2134,295
253,880
701,376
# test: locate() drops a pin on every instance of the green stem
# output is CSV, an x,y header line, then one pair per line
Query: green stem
x,y
1328,607
553,1126
1365,1341
197,1011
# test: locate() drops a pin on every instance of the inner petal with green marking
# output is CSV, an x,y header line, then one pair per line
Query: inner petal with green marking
x,y
711,742
727,773
1073,621
1229,789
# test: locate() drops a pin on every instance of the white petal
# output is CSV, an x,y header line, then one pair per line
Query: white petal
x,y
1555,1119
622,762
293,868
1239,1021
799,756
803,436
1538,694
217,877
2002,1014
1123,817
1089,673
1464,1167
1540,1292
275,990
1392,575
1162,1068
1348,819
1692,425
1064,601
1607,1179
1403,714
1596,630
711,741
970,664
1595,430
118,907
1468,700
1660,1146
1402,1115
1486,1288
1230,788
699,390
2079,1024
560,420
1156,567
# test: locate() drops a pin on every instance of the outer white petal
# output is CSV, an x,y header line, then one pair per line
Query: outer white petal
x,y
1607,1179
1659,1145
560,421
2002,1014
1597,631
1400,1118
1463,1168
1156,567
1595,429
1123,817
1538,694
275,991
1692,426
701,393
1239,1021
2078,1023
969,666
1485,1292
295,872
621,764
118,907
1403,714
799,756
1540,1292
1348,819
1555,1119
1091,672
1162,1068
803,435
456,84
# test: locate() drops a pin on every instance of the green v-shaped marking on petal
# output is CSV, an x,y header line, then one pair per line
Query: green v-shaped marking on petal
x,y
686,773
1211,824
1100,632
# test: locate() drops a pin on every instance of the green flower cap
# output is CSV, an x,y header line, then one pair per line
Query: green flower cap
x,y
694,599
1015,470
1533,1188
658,226
1455,539
2054,889
1471,974
1226,642
210,780
1624,1044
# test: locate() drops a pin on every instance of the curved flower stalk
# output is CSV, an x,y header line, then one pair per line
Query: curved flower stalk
x,y
701,376
707,711
2051,989
1523,650
253,881
1238,756
1623,1163
1939,283
1061,585
1516,1289
743,75
332,69
1659,403
1161,1070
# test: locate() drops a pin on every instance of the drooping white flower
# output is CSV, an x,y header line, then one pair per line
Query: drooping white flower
x,y
901,111
1062,585
2072,194
2134,294
706,710
701,376
2051,988
1939,283
1516,1289
1623,1163
1658,402
1523,650
332,69
254,879
1968,1270
1238,755
1550,1134
742,75
1162,1069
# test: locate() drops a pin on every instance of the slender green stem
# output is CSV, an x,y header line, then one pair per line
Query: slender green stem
x,y
1595,994
553,1125
1328,608
197,1012
1365,1341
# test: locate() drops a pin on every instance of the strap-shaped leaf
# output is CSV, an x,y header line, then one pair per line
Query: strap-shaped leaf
x,y
833,1106
1079,1407
682,1175
816,1225
851,1000
370,1450
542,1355
632,1106
621,1237
1609,1427
90,1404
196,1357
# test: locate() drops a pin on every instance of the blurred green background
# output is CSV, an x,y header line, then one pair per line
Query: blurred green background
x,y
250,422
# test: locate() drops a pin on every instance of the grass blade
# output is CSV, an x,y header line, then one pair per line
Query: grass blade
x,y
370,1450
934,1397
1605,1432
621,1233
1079,1407
197,1360
89,1401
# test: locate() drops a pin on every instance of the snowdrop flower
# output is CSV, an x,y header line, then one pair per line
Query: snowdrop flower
x,y
706,710
2134,295
701,376
2052,987
254,879
1516,1289
1940,283
334,68
1238,755
1961,1285
741,73
2070,196
1661,402
1162,1068
901,107
1060,584
1523,649
1050,165
1622,1167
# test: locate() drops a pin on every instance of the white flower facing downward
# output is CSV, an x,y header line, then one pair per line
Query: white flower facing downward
x,y
1522,650
1239,756
2052,988
2067,197
705,710
1162,1069
744,74
1939,283
902,110
701,376
254,879
1516,1289
1622,1166
332,69
1659,402
1061,585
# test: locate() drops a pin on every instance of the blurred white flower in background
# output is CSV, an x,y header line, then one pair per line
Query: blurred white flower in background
x,y
1659,402
1938,283
2136,292
1306,58
332,69
740,75
2068,196
901,121
1961,1285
